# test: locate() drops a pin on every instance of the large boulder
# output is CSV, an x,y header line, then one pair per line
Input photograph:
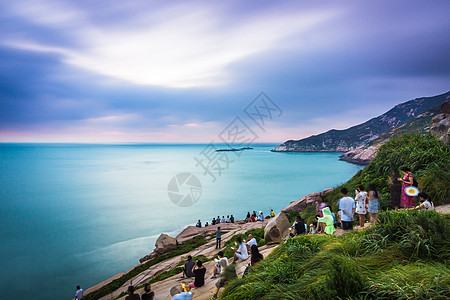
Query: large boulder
x,y
276,229
303,202
165,244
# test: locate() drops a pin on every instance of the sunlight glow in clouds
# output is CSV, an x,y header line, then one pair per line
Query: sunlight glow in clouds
x,y
186,49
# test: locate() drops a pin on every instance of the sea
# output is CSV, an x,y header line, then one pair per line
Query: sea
x,y
77,214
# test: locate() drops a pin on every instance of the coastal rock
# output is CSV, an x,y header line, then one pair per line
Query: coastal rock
x,y
441,124
276,229
361,155
303,202
165,244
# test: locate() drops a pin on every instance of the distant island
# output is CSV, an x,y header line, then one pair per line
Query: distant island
x,y
234,149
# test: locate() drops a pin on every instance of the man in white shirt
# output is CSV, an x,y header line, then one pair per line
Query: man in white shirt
x,y
347,207
241,252
251,241
79,293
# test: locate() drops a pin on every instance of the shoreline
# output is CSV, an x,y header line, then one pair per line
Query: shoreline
x,y
190,231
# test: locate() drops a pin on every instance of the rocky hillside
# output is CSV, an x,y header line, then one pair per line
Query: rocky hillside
x,y
435,120
362,134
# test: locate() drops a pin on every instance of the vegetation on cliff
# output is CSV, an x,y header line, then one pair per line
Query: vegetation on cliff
x,y
404,256
428,158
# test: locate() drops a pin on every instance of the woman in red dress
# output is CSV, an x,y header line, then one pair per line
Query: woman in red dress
x,y
408,179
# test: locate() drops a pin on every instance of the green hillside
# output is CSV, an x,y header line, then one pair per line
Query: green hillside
x,y
406,255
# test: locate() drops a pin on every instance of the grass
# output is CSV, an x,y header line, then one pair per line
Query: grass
x,y
117,283
381,262
428,158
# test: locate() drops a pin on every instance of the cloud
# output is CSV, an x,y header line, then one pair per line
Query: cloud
x,y
188,47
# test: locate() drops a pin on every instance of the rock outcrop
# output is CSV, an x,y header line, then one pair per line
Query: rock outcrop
x,y
163,244
276,229
303,202
360,156
441,123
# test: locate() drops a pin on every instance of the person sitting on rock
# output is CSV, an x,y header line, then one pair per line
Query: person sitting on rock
x,y
149,294
179,293
213,222
218,220
220,265
131,294
256,256
206,224
241,251
228,219
231,219
251,241
188,266
199,274
299,227
247,219
199,224
252,218
223,220
326,223
228,274
426,203
261,216
272,213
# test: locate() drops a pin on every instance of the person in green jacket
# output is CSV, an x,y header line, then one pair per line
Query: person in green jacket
x,y
326,223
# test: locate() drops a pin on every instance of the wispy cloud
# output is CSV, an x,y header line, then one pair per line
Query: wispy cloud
x,y
182,46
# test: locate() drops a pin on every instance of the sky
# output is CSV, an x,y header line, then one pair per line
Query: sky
x,y
183,71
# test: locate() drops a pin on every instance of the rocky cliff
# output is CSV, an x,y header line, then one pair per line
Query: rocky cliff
x,y
362,134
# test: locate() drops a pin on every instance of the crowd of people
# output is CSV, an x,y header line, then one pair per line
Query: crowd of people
x,y
253,217
365,202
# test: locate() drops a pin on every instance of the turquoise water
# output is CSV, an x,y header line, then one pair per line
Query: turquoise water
x,y
78,214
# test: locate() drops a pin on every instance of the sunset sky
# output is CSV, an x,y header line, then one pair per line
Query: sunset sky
x,y
181,71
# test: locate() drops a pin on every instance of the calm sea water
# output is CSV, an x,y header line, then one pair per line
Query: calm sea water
x,y
78,214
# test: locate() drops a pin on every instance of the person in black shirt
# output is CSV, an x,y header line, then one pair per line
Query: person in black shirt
x,y
299,226
188,266
131,294
199,273
148,295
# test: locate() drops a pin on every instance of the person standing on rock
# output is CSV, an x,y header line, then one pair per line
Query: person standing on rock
x,y
361,199
218,238
408,180
395,189
374,203
79,293
347,207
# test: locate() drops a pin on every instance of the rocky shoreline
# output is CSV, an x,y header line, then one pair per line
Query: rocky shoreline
x,y
275,232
